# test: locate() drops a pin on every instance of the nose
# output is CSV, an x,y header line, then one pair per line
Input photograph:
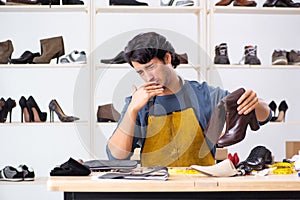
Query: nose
x,y
149,76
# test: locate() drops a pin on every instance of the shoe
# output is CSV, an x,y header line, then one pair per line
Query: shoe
x,y
270,3
183,58
49,2
279,57
184,3
286,3
221,54
224,2
10,173
24,110
18,2
244,3
54,107
258,157
26,57
126,3
72,2
251,55
35,114
50,48
273,107
7,108
71,168
282,111
118,59
293,57
107,113
74,57
28,173
2,103
236,124
2,3
6,49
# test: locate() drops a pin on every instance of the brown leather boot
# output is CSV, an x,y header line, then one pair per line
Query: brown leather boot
x,y
236,124
50,48
6,49
107,113
224,2
244,3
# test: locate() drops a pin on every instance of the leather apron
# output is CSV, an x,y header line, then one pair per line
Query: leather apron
x,y
175,140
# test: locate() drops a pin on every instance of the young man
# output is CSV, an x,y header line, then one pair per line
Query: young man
x,y
167,115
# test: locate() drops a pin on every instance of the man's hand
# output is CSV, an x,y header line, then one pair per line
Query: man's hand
x,y
142,95
247,102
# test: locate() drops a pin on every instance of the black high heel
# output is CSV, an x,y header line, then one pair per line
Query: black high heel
x,y
7,108
54,107
273,107
36,115
24,110
2,103
282,111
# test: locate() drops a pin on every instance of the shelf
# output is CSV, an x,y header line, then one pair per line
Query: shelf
x,y
43,8
127,66
57,123
255,66
147,9
40,66
255,10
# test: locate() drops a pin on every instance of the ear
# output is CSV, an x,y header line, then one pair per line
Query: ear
x,y
168,58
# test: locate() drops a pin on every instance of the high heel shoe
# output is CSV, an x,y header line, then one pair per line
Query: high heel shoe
x,y
2,103
26,57
35,114
282,111
50,48
54,107
273,107
24,110
7,108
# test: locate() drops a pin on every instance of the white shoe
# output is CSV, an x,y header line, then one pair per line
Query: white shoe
x,y
74,57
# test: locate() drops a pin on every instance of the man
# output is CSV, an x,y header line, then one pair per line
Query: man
x,y
166,116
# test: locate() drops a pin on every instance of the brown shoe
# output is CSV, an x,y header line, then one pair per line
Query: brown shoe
x,y
6,49
107,113
244,3
224,2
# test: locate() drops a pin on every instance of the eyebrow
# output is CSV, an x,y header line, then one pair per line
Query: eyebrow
x,y
147,66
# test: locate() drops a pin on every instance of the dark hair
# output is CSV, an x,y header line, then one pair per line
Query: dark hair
x,y
146,46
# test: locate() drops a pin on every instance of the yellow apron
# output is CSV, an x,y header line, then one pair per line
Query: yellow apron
x,y
175,140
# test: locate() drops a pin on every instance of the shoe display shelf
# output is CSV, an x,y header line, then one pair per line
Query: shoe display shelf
x,y
44,8
269,28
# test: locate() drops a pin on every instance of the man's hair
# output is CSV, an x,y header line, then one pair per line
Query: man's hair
x,y
146,46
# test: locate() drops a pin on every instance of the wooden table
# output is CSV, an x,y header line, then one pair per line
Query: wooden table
x,y
184,186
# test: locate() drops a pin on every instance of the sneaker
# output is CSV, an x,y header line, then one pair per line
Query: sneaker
x,y
10,173
251,55
293,57
279,58
74,57
28,173
176,2
221,54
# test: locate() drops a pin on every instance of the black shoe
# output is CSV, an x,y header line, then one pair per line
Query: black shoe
x,y
118,59
2,3
221,54
26,57
72,2
251,55
270,3
127,3
286,3
293,57
279,57
258,157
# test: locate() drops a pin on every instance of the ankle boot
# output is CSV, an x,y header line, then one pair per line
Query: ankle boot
x,y
6,49
50,48
221,54
236,124
251,55
244,3
26,57
107,113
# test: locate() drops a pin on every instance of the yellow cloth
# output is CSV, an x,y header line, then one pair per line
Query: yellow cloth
x,y
175,140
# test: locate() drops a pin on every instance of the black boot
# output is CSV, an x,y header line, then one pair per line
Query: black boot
x,y
26,57
127,3
286,3
118,59
270,3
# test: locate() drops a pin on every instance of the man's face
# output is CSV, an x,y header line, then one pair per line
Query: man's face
x,y
155,70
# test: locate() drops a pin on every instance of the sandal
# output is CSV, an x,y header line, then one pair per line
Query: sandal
x,y
9,173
